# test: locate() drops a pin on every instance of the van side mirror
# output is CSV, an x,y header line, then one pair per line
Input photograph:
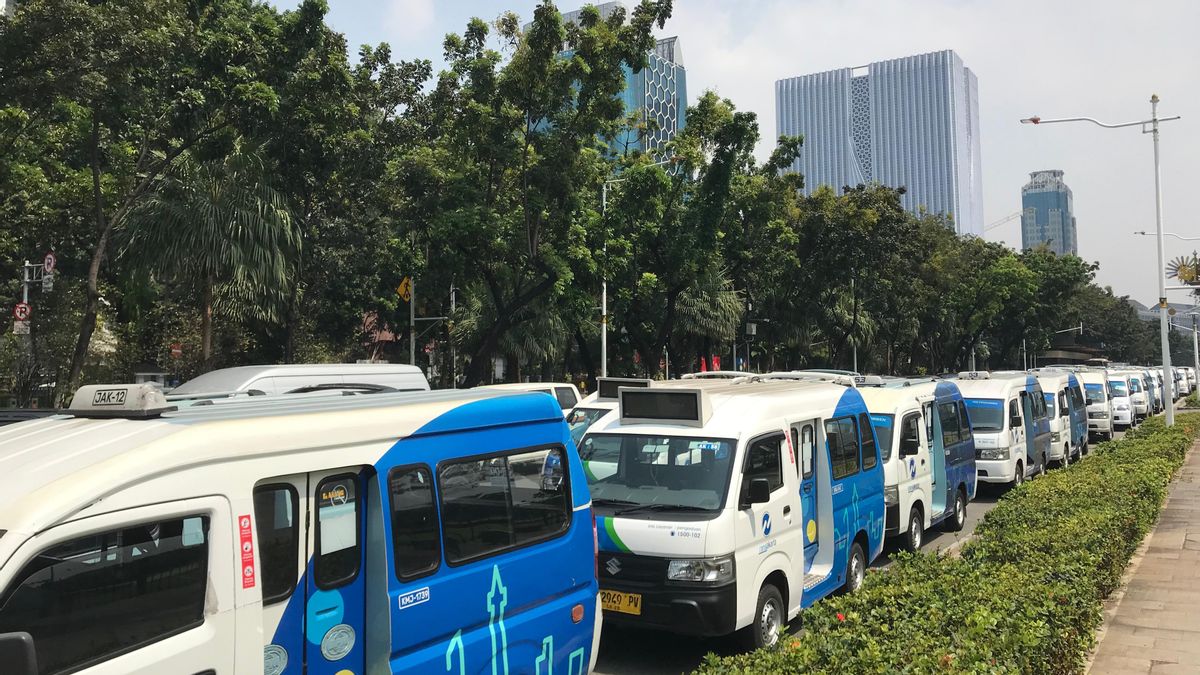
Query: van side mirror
x,y
17,654
1015,422
909,445
758,492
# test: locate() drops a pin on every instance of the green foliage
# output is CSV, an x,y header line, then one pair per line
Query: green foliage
x,y
1024,596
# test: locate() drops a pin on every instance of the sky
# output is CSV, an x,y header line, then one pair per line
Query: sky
x,y
1052,58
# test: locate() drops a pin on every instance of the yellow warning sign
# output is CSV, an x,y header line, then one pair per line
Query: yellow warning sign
x,y
404,290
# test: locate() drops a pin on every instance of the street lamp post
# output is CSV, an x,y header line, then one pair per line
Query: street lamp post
x,y
604,279
1149,126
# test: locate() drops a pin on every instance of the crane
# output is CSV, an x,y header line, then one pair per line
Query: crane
x,y
1010,217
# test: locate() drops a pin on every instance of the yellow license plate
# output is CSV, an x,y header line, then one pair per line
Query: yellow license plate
x,y
625,603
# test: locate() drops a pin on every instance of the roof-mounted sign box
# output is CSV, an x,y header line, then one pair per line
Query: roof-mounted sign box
x,y
132,401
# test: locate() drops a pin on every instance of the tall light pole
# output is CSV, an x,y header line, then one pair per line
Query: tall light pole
x,y
604,278
1149,126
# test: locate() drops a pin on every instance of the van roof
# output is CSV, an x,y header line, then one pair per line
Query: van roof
x,y
55,466
888,399
525,386
736,405
234,379
998,386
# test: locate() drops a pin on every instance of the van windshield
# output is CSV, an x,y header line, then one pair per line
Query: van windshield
x,y
1119,388
1135,386
1095,393
581,419
987,414
670,473
883,433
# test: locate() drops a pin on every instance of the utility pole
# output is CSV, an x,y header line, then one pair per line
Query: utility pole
x,y
412,322
450,339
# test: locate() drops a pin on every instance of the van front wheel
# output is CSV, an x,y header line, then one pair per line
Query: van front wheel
x,y
768,619
916,531
856,568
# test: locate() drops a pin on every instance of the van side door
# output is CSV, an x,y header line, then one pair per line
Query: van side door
x,y
311,547
804,438
772,526
132,592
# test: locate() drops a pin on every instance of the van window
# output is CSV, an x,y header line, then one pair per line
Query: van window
x,y
499,503
276,513
566,397
1095,393
105,594
1014,411
764,460
948,416
416,544
1065,402
841,435
337,532
1039,406
867,442
808,445
964,422
884,433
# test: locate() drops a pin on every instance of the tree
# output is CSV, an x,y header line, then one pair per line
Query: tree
x,y
220,227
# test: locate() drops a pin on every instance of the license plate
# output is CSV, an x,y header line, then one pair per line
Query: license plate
x,y
625,603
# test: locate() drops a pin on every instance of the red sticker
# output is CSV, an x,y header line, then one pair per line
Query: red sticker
x,y
246,539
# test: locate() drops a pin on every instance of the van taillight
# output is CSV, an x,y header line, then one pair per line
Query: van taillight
x,y
595,547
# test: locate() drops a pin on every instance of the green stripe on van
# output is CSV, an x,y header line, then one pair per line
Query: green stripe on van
x,y
611,529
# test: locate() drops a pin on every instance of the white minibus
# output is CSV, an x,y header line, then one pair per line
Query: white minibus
x,y
1099,404
298,378
928,455
1012,427
392,533
1067,412
734,503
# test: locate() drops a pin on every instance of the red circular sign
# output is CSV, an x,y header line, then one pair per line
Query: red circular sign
x,y
176,350
22,311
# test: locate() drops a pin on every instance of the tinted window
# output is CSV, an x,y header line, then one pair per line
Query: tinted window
x,y
764,460
337,531
841,435
566,397
808,446
276,512
964,422
498,503
98,596
1014,413
948,416
868,442
581,419
415,542
883,433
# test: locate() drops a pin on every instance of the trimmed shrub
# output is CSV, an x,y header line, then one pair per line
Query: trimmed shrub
x,y
1025,594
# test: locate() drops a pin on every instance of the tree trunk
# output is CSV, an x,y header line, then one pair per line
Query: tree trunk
x,y
206,323
87,324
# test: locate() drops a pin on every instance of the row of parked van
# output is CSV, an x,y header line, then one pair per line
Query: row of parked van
x,y
305,530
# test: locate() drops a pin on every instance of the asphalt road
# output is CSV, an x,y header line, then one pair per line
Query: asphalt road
x,y
630,652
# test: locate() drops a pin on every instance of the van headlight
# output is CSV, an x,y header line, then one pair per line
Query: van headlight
x,y
891,494
701,570
1055,437
993,453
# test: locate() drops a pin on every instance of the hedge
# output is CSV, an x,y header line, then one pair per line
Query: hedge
x,y
1025,594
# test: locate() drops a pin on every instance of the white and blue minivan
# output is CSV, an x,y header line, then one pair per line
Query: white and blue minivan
x,y
392,533
1011,425
731,504
928,454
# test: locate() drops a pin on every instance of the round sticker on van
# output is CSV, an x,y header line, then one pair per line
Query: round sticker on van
x,y
275,660
812,531
337,642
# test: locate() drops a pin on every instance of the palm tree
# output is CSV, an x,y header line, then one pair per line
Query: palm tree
x,y
220,226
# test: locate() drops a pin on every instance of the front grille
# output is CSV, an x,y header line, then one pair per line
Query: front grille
x,y
628,569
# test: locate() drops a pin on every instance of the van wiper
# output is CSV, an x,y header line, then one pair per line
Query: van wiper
x,y
662,507
601,501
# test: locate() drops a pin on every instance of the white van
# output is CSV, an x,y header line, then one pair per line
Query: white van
x,y
1099,404
321,535
1011,425
928,455
1138,396
1119,392
1065,407
599,403
710,522
299,378
566,394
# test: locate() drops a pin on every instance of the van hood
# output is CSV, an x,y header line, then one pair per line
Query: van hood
x,y
651,537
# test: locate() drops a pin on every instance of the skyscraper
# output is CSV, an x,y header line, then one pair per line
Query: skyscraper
x,y
658,92
1048,214
911,122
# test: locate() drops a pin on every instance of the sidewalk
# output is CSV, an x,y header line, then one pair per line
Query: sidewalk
x,y
1155,625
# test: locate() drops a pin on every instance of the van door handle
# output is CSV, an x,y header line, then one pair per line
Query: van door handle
x,y
787,510
807,489
922,462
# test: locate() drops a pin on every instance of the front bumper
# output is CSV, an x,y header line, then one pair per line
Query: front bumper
x,y
1123,417
891,520
995,470
706,612
1100,425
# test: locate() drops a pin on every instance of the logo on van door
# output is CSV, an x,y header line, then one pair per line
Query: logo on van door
x,y
766,524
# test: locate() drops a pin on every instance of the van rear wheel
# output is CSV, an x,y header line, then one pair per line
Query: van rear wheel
x,y
958,520
856,568
768,619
